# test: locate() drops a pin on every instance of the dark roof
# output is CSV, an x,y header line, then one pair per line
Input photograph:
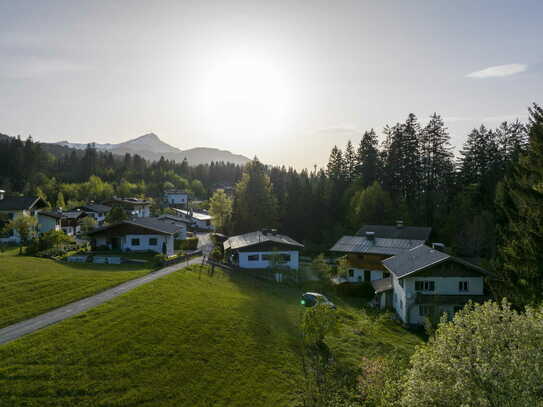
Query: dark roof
x,y
420,258
21,203
382,285
173,218
153,224
255,238
361,244
395,232
63,215
98,208
128,201
175,192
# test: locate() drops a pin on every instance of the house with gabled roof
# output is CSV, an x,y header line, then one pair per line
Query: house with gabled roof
x,y
255,250
138,235
135,207
67,221
97,211
372,244
425,282
198,220
14,207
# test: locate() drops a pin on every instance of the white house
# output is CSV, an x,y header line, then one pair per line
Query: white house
x,y
426,282
135,207
176,198
179,222
138,235
198,220
374,243
97,211
256,250
69,222
11,208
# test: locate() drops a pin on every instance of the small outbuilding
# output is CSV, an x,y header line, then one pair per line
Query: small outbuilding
x,y
258,250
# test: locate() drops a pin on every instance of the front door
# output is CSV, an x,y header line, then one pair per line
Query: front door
x,y
115,243
367,275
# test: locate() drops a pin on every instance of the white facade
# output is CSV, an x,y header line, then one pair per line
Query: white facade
x,y
143,242
405,293
201,221
176,198
71,230
141,211
357,275
260,259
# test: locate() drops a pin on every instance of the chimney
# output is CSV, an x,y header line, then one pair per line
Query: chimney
x,y
2,192
399,224
370,236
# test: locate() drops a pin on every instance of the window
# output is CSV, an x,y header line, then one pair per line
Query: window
x,y
266,257
426,310
463,286
351,273
253,257
425,285
153,241
135,242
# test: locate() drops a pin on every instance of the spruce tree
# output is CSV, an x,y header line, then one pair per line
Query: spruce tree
x,y
520,204
350,162
368,159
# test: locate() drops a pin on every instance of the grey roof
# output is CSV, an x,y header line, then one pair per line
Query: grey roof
x,y
382,285
98,208
395,232
361,244
254,238
194,215
154,224
128,201
420,258
21,203
173,218
62,215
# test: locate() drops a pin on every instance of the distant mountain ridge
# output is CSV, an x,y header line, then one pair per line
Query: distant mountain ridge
x,y
152,148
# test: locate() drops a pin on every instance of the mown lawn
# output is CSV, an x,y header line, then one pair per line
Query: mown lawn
x,y
30,286
183,340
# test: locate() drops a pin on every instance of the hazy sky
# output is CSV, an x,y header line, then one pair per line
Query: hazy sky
x,y
281,80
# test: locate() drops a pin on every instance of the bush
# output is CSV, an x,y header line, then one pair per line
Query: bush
x,y
177,244
364,290
190,243
59,241
159,260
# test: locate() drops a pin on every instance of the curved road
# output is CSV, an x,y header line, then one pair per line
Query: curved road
x,y
19,329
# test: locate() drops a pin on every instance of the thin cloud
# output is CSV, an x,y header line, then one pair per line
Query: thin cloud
x,y
498,71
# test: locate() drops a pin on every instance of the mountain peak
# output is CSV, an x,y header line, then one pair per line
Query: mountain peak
x,y
148,136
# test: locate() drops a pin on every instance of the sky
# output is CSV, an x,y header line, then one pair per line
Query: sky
x,y
282,80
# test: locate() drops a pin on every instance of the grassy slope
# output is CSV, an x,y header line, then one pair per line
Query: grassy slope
x,y
181,341
30,286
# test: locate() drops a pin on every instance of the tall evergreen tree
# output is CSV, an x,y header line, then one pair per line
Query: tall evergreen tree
x,y
255,206
368,159
520,203
350,162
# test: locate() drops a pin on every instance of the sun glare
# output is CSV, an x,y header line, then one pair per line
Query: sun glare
x,y
244,95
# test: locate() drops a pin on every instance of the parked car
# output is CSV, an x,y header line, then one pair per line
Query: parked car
x,y
311,299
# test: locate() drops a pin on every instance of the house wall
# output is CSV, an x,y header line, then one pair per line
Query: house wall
x,y
443,286
46,224
358,275
142,211
244,261
203,224
177,199
400,301
126,243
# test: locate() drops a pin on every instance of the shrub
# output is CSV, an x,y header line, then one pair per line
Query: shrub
x,y
190,243
364,290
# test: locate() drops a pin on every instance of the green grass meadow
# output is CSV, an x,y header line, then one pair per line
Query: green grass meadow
x,y
184,340
30,286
